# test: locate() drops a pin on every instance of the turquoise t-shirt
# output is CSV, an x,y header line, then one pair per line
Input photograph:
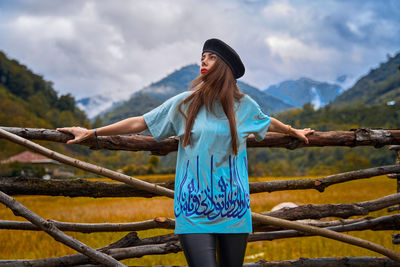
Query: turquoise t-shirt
x,y
211,184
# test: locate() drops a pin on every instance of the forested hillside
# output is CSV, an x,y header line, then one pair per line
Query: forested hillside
x,y
329,119
328,160
136,106
380,85
373,102
27,100
31,100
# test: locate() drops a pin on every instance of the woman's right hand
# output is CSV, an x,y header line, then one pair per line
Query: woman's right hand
x,y
301,134
79,133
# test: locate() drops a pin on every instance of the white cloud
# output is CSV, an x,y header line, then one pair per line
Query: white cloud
x,y
279,10
289,49
357,22
117,47
49,27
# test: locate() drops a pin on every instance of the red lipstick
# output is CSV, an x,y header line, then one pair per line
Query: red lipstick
x,y
203,70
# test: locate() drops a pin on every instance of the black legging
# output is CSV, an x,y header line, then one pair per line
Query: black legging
x,y
201,249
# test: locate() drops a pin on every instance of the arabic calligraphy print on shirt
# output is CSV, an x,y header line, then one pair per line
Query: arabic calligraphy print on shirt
x,y
222,197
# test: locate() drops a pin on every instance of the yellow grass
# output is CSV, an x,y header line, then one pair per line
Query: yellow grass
x,y
16,244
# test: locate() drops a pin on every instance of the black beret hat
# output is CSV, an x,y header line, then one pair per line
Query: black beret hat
x,y
227,54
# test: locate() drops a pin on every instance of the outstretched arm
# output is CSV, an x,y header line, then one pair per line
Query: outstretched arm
x,y
279,127
130,125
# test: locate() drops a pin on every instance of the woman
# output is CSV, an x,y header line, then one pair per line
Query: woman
x,y
213,120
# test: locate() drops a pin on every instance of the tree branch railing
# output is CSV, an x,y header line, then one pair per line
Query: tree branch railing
x,y
311,211
85,188
156,223
131,240
303,212
391,222
327,261
87,166
164,244
360,137
54,232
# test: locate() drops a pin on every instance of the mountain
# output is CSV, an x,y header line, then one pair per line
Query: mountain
x,y
178,82
26,96
137,105
305,90
173,84
27,100
268,103
379,86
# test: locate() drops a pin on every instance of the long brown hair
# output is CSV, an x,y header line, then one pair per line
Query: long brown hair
x,y
216,84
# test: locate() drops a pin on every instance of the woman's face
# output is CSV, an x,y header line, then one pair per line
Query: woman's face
x,y
207,61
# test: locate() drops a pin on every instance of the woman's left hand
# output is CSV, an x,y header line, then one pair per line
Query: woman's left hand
x,y
301,134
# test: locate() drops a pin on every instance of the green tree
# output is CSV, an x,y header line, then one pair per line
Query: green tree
x,y
98,122
20,84
66,102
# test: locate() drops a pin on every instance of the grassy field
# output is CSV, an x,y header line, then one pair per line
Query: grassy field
x,y
15,244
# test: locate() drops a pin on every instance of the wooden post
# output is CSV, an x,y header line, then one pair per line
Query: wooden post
x,y
396,149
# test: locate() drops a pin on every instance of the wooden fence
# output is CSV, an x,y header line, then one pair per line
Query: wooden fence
x,y
267,226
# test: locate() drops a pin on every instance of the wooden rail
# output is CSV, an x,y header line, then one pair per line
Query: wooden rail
x,y
358,137
86,188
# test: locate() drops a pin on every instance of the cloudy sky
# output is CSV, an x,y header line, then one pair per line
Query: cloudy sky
x,y
113,48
